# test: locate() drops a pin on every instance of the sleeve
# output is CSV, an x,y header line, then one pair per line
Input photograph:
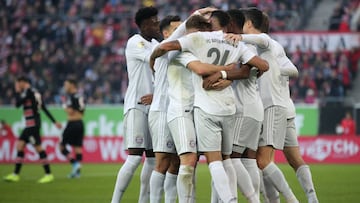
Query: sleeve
x,y
261,40
179,32
136,48
186,57
186,42
286,66
246,53
80,102
47,112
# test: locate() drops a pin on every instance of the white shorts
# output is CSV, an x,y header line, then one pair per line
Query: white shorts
x,y
291,137
246,133
136,130
183,132
161,139
274,127
214,133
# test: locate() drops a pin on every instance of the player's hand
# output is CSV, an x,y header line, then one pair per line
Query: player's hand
x,y
210,80
146,99
233,38
231,66
206,11
58,125
221,84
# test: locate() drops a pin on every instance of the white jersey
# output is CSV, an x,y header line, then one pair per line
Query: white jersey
x,y
271,83
211,47
137,53
291,111
181,90
160,100
248,100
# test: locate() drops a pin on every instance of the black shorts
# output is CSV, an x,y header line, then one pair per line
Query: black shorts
x,y
31,135
73,133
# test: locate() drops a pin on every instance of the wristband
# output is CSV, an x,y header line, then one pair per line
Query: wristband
x,y
223,74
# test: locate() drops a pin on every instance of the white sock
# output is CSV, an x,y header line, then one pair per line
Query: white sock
x,y
231,173
262,189
184,183
170,188
146,172
156,186
124,176
193,191
253,170
244,181
221,181
270,193
214,195
303,174
277,178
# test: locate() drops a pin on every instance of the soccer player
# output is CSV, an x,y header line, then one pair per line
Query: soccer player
x,y
213,108
271,91
73,135
291,145
136,105
164,175
32,102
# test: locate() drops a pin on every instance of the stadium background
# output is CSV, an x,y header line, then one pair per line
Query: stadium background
x,y
49,40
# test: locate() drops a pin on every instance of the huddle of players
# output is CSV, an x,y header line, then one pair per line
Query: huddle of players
x,y
31,101
202,103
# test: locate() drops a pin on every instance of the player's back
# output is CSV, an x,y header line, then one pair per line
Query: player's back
x,y
211,47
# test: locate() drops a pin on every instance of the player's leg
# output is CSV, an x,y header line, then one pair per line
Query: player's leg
x,y
246,135
183,133
134,132
209,135
273,136
20,146
170,179
163,146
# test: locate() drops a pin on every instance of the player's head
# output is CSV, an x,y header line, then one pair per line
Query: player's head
x,y
197,23
265,27
237,20
219,20
147,20
254,20
23,82
169,24
70,85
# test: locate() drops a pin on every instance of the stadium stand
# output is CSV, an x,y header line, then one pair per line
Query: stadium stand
x,y
51,40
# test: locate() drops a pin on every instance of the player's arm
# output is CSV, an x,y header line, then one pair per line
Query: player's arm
x,y
162,49
287,67
19,96
49,115
259,40
205,69
261,64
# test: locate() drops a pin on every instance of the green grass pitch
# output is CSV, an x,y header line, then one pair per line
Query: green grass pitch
x,y
334,184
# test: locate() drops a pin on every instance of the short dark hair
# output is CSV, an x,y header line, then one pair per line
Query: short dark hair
x,y
237,17
222,16
255,16
165,23
198,22
23,78
265,27
145,13
72,81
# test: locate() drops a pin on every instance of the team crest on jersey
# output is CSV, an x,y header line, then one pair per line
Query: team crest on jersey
x,y
192,143
141,44
139,139
169,144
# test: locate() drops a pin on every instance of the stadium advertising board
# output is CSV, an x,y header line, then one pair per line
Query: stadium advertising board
x,y
315,41
320,149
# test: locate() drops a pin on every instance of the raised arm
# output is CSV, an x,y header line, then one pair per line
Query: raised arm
x,y
162,49
259,40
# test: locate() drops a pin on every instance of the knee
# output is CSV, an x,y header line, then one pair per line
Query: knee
x,y
262,163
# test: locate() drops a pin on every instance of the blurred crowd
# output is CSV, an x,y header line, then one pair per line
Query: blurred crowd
x,y
324,74
345,16
49,40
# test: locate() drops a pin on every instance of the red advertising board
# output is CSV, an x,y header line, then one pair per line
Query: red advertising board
x,y
320,149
